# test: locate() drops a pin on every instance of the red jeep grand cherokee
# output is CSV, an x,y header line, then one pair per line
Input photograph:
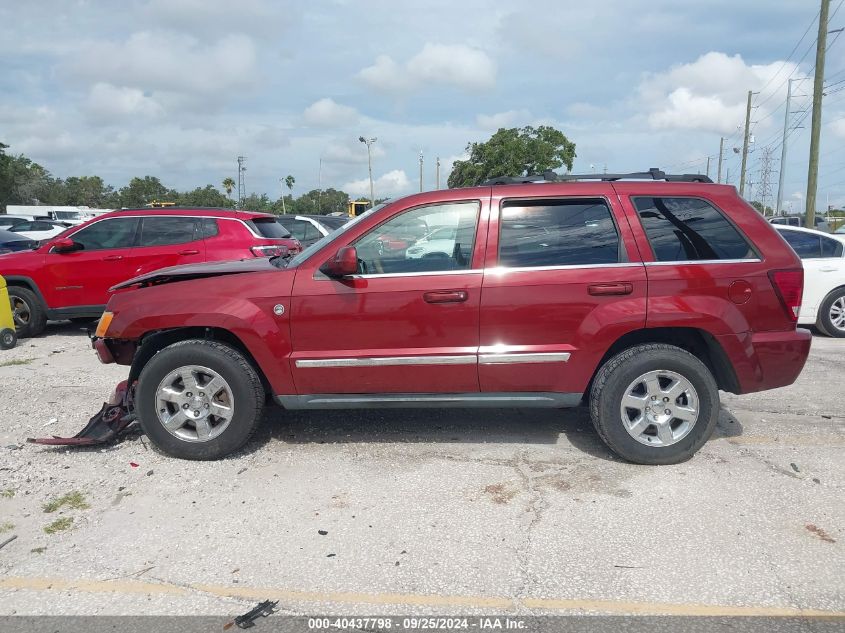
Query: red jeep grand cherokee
x,y
641,298
69,276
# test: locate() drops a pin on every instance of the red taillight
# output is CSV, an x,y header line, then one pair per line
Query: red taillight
x,y
789,284
269,251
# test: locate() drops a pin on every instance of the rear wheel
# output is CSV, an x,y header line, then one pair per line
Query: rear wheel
x,y
28,313
832,314
654,404
199,399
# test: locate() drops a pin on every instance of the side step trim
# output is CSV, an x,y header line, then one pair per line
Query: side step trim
x,y
545,400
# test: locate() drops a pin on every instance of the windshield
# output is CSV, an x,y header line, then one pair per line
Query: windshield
x,y
327,239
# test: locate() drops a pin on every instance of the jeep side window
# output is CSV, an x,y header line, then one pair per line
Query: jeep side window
x,y
399,245
163,231
557,233
830,248
690,229
110,233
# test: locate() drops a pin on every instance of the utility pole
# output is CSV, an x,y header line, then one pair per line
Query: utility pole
x,y
421,171
282,188
437,172
782,175
721,149
745,145
241,181
707,172
815,126
368,142
320,187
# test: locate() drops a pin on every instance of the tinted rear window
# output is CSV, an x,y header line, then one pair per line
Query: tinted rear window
x,y
162,231
557,233
268,227
690,229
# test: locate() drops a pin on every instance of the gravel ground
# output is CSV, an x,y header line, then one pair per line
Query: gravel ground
x,y
400,512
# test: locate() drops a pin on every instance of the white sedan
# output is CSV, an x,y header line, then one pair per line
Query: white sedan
x,y
823,256
38,230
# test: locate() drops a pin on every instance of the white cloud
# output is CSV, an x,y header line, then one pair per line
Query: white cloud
x,y
838,127
169,61
328,113
352,152
509,118
109,103
447,64
390,184
710,93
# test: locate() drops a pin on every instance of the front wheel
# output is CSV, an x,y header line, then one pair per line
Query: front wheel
x,y
654,404
199,399
8,338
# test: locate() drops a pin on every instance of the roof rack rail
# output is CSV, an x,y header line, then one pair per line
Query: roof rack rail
x,y
549,176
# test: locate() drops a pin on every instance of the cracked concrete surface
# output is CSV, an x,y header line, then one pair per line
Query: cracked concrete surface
x,y
450,511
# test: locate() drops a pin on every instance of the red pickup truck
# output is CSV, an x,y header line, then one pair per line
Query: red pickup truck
x,y
641,295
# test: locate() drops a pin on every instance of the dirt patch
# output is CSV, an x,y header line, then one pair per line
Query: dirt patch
x,y
554,482
501,493
814,529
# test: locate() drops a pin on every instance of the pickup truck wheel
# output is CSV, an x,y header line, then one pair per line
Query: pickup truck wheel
x,y
27,312
199,399
832,314
654,404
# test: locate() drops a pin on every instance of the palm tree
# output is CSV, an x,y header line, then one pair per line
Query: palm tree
x,y
289,181
228,185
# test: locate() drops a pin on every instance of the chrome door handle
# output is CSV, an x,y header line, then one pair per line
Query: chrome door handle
x,y
189,252
112,258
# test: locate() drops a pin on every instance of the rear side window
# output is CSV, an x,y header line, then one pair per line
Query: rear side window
x,y
690,229
831,248
268,227
805,245
302,230
210,228
557,233
111,233
163,231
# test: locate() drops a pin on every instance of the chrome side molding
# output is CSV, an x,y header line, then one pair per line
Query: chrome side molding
x,y
541,400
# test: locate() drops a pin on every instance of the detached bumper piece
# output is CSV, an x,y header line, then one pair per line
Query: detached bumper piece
x,y
116,418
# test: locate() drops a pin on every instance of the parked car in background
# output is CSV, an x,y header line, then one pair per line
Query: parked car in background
x,y
643,299
840,230
11,242
8,220
70,277
799,221
823,256
310,228
38,230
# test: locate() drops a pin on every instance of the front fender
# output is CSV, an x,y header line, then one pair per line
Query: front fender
x,y
218,303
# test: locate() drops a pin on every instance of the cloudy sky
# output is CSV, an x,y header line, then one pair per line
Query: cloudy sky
x,y
179,88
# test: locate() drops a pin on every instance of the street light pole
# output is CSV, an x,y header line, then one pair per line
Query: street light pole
x,y
368,142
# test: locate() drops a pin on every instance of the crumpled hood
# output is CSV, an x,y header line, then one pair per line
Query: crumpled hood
x,y
198,271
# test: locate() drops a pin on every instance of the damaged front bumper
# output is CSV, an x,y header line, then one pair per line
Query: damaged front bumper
x,y
116,418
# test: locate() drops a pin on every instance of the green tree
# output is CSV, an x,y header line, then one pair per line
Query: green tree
x,y
141,191
207,196
760,208
318,201
23,181
254,202
89,191
228,185
513,152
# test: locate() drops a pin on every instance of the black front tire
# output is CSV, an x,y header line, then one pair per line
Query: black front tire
x,y
30,315
825,320
617,374
233,367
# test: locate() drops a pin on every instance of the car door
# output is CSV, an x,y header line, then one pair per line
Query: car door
x,y
399,326
167,240
824,267
563,281
83,277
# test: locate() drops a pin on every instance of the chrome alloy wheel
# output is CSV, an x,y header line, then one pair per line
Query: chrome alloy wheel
x,y
659,408
21,313
837,313
194,403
